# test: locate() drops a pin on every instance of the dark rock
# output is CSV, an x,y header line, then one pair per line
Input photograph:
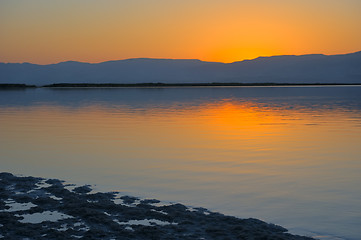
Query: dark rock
x,y
96,216
82,189
129,199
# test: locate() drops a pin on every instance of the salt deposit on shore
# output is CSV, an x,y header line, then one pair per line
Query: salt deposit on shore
x,y
36,208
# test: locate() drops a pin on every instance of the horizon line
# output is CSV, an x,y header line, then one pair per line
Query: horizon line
x,y
194,59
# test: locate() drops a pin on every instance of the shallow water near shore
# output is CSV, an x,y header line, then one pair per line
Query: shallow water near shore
x,y
287,155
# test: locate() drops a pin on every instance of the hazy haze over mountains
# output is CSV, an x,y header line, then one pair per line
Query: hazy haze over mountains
x,y
315,68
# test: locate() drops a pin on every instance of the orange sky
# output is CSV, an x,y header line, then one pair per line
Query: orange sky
x,y
43,31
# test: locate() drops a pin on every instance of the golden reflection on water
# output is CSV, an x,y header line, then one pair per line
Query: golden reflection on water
x,y
242,158
221,131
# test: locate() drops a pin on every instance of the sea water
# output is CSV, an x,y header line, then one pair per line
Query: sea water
x,y
286,155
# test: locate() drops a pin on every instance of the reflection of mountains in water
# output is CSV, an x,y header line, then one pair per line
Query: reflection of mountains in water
x,y
307,97
314,68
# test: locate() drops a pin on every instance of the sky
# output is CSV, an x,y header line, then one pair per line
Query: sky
x,y
51,31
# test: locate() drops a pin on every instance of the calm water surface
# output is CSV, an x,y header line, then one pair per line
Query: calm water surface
x,y
287,155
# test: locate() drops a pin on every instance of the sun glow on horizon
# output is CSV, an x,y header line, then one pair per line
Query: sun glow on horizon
x,y
223,31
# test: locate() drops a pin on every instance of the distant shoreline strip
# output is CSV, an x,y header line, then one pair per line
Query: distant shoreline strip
x,y
125,85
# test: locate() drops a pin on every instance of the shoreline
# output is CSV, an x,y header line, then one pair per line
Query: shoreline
x,y
39,208
165,85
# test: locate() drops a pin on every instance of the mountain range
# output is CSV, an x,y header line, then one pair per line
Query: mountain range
x,y
313,68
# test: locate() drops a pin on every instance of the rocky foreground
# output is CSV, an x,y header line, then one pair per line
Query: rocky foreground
x,y
37,208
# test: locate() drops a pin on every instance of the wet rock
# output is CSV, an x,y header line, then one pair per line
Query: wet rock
x,y
97,216
82,189
129,199
149,201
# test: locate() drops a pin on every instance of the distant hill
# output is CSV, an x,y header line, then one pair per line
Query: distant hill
x,y
313,68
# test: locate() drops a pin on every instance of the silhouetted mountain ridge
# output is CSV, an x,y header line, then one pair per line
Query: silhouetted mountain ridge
x,y
312,68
